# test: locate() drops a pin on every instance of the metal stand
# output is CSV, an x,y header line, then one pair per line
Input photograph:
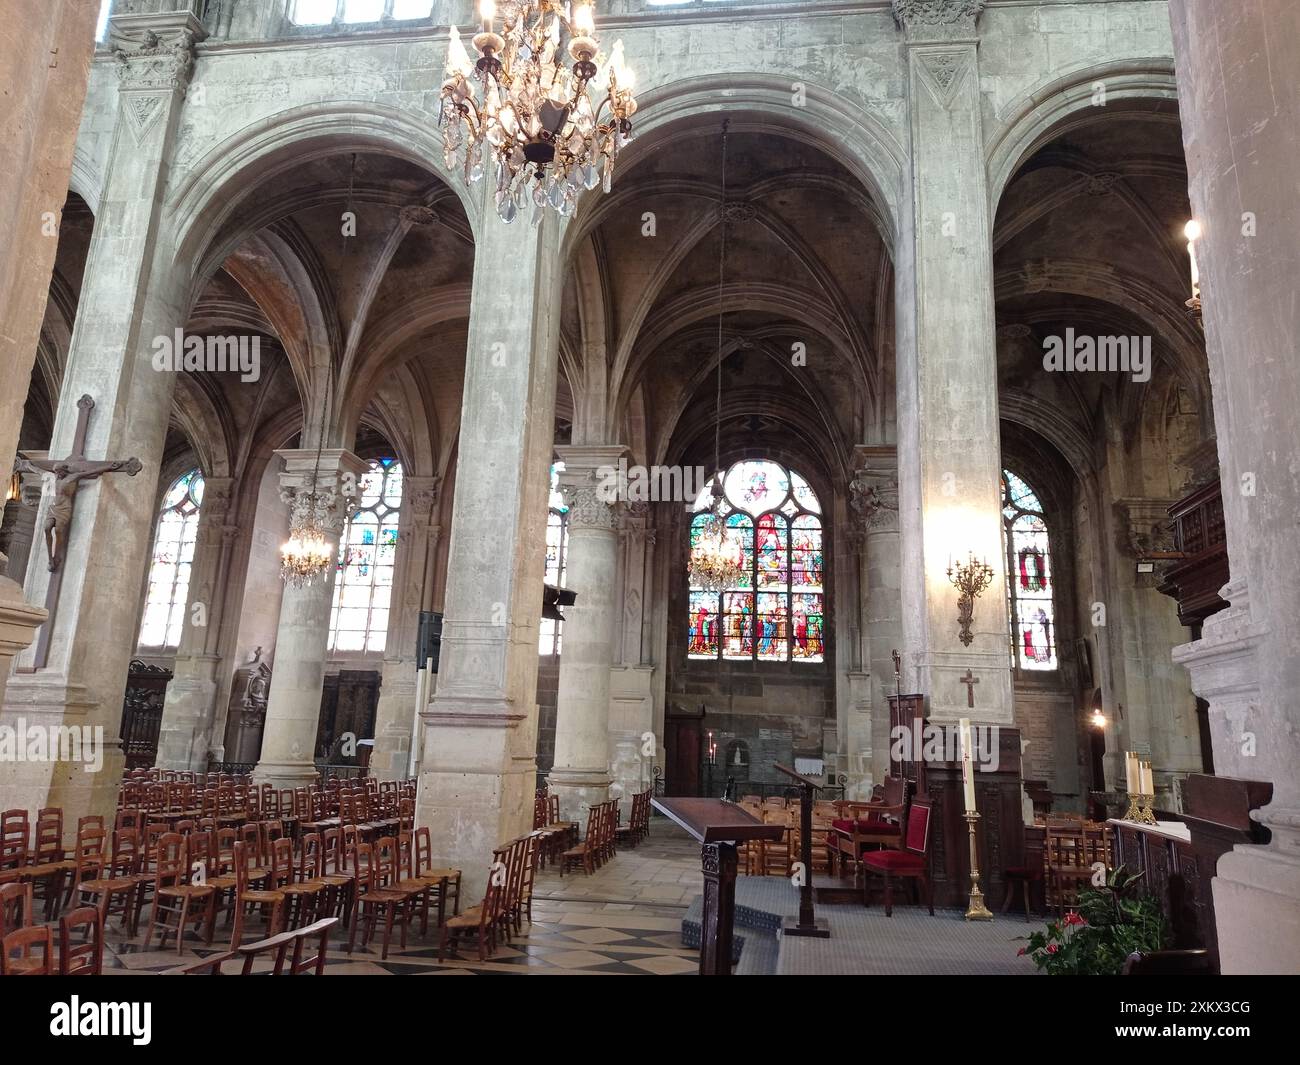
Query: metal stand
x,y
976,911
808,924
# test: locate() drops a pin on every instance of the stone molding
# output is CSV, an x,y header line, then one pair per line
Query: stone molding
x,y
589,509
936,19
154,62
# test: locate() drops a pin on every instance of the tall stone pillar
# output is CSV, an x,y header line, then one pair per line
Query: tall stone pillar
x,y
42,113
1238,72
413,591
949,454
580,775
632,739
873,507
479,768
288,757
132,294
185,735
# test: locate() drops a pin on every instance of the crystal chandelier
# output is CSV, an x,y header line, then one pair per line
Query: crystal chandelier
x,y
523,114
717,563
307,553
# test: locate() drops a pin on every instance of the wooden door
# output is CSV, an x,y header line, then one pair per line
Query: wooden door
x,y
684,743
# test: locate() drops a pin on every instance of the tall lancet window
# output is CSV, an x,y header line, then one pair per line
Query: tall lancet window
x,y
557,550
775,612
367,553
173,554
1030,583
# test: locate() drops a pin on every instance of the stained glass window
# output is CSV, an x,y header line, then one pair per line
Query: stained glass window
x,y
775,610
557,545
367,554
1029,589
173,554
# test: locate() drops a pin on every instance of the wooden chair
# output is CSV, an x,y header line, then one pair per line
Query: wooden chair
x,y
247,890
84,957
15,906
861,827
118,888
446,882
1066,859
477,921
22,941
88,858
378,895
174,898
305,894
585,853
910,863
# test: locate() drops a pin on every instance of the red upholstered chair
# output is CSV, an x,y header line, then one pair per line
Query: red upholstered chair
x,y
912,862
864,826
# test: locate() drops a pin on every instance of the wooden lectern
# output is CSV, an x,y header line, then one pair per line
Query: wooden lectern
x,y
719,826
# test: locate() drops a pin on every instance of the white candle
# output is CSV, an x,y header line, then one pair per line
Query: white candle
x,y
967,766
1148,780
1192,231
1130,772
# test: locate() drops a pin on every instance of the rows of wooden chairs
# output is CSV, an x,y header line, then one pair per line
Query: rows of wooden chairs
x,y
507,900
557,835
597,847
638,825
192,870
776,857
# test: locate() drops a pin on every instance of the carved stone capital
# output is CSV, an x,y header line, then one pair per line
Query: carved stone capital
x,y
326,507
873,500
155,50
589,508
421,494
936,19
1143,526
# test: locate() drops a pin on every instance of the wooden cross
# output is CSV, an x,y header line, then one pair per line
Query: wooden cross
x,y
68,474
970,681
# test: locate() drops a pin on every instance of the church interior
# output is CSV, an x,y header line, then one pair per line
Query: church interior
x,y
650,487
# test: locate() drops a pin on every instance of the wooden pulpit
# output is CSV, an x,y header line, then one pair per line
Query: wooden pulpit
x,y
719,826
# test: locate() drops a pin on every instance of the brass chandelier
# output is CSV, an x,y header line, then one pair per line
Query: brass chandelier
x,y
545,130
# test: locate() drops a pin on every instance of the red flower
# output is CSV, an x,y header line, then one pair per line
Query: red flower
x,y
1052,948
1021,952
1074,918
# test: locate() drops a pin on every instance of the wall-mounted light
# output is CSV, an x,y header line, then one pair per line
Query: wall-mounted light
x,y
970,579
1098,719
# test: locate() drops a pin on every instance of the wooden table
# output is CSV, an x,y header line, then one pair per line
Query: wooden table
x,y
719,826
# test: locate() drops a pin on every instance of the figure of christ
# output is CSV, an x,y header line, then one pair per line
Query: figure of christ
x,y
68,475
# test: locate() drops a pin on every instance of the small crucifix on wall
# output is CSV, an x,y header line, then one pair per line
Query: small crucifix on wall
x,y
970,680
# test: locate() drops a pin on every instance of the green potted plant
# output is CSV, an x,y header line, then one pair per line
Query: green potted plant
x,y
1109,923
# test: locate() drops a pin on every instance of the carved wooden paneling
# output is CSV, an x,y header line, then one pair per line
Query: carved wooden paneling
x,y
142,707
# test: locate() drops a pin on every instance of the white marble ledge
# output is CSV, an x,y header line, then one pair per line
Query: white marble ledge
x,y
1169,829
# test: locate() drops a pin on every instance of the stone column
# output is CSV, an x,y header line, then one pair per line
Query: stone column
x,y
42,113
633,743
413,590
185,735
949,454
1238,82
873,506
132,293
580,775
19,526
479,768
298,674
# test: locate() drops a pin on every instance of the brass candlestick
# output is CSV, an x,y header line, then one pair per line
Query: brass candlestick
x,y
976,910
1139,809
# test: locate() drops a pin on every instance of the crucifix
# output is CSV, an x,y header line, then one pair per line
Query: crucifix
x,y
970,681
68,473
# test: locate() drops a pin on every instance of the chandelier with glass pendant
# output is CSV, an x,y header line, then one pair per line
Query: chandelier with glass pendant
x,y
716,560
307,554
541,110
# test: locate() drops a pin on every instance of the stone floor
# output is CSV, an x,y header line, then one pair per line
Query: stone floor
x,y
626,919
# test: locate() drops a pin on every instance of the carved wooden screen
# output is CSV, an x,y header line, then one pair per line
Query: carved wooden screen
x,y
146,688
